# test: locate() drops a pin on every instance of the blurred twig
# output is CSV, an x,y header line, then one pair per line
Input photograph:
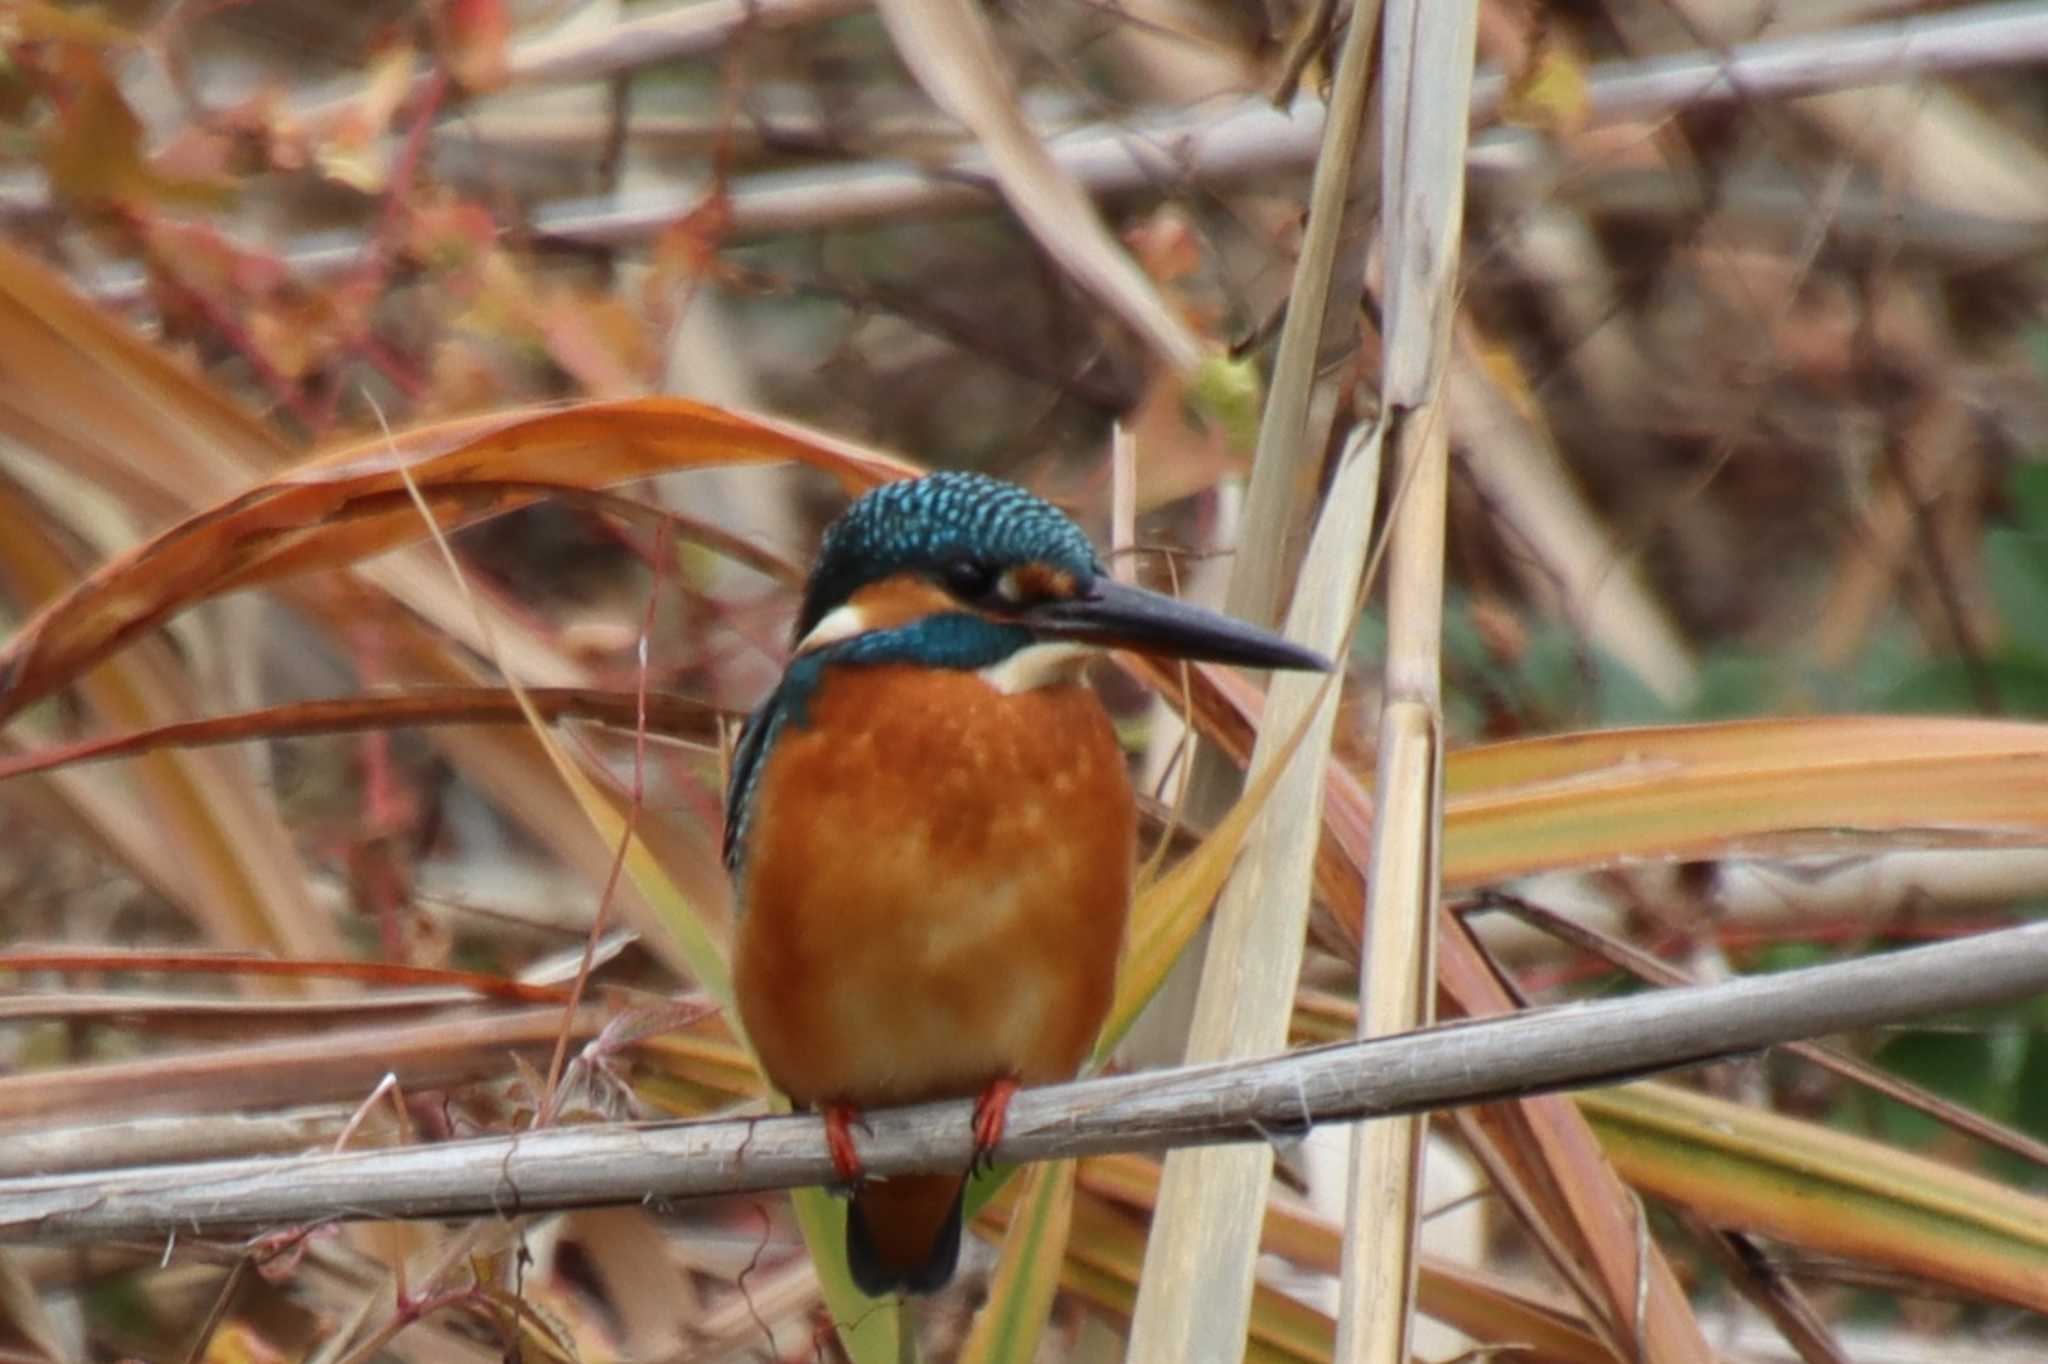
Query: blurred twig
x,y
680,31
1211,145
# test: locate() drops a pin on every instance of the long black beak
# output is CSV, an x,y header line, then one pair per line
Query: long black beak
x,y
1107,612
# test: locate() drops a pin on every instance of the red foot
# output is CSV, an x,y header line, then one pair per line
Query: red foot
x,y
839,1121
991,1113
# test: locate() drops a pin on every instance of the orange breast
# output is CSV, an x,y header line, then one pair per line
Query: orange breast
x,y
935,888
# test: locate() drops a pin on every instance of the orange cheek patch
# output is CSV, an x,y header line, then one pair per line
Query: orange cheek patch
x,y
1040,582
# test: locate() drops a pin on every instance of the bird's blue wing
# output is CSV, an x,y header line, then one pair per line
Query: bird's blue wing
x,y
748,754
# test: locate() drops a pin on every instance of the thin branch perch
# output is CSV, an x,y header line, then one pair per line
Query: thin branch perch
x,y
1541,1050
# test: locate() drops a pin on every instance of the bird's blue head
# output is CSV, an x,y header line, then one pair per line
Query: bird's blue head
x,y
961,570
981,541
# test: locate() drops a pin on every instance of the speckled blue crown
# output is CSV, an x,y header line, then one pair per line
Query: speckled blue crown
x,y
921,525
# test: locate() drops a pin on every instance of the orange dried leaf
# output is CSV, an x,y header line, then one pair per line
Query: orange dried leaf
x,y
1808,784
671,716
349,504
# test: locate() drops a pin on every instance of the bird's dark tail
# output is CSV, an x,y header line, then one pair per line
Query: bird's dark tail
x,y
903,1234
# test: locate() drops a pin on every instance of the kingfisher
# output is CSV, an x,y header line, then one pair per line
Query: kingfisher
x,y
931,833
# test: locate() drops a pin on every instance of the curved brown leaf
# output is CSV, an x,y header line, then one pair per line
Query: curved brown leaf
x,y
668,715
351,503
383,974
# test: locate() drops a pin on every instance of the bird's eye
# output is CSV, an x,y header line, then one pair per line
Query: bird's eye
x,y
969,579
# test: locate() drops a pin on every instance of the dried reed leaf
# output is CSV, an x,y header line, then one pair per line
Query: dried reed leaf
x,y
1827,1191
1167,914
431,984
93,394
1598,798
351,503
1547,1150
1812,783
1427,54
1479,1304
1194,1300
948,47
1507,450
670,716
1009,1326
511,767
230,863
165,438
1208,1220
1107,1250
341,1064
1547,1163
630,1255
1309,373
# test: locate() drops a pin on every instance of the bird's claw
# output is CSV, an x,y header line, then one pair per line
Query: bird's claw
x,y
991,1114
839,1122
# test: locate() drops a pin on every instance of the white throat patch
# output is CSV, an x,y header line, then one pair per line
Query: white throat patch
x,y
842,622
1031,667
1038,665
